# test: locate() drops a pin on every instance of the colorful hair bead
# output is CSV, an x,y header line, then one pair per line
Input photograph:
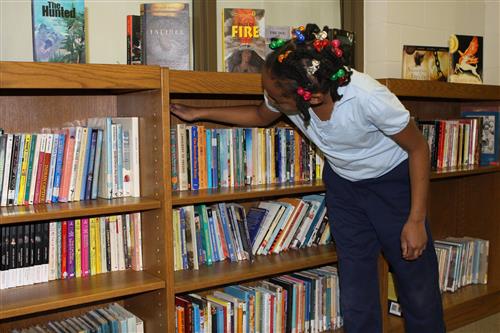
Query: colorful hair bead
x,y
338,52
319,45
338,75
335,43
277,43
298,36
283,56
306,95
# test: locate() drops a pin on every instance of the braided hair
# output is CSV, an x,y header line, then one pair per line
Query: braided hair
x,y
308,66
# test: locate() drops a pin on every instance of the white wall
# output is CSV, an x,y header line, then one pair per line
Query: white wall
x,y
106,29
390,24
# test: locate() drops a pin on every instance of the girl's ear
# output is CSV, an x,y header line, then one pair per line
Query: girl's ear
x,y
317,98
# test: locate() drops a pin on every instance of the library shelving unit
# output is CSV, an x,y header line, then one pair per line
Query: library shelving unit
x,y
463,202
38,95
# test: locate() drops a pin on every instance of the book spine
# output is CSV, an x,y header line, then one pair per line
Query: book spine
x,y
104,255
46,168
114,161
13,170
194,167
75,164
129,39
90,163
92,246
52,168
85,247
6,171
71,249
119,153
24,169
174,158
19,168
64,249
127,167
97,163
81,163
78,248
67,163
86,164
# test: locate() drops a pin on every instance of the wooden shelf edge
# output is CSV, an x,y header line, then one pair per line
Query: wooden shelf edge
x,y
442,90
36,75
59,294
44,212
466,305
264,266
245,192
465,171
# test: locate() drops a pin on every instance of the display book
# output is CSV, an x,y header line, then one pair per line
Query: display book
x,y
58,31
162,34
107,94
99,158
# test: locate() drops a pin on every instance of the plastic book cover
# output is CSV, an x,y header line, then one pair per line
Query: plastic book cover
x,y
166,40
466,59
58,31
425,63
244,45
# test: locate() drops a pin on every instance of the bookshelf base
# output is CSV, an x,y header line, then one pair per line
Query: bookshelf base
x,y
462,307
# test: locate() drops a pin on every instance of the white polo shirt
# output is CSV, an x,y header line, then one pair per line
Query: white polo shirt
x,y
355,140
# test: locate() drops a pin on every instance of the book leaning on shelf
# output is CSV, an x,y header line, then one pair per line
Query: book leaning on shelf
x,y
46,251
304,301
231,157
225,231
73,163
113,318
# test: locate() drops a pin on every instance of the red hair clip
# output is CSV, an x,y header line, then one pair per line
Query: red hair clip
x,y
306,95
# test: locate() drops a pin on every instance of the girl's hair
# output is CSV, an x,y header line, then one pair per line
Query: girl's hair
x,y
297,60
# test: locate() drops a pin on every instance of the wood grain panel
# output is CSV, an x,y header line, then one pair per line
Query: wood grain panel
x,y
32,75
58,211
215,83
63,293
223,273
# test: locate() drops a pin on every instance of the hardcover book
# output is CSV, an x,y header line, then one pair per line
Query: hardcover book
x,y
244,44
425,63
165,38
466,59
58,31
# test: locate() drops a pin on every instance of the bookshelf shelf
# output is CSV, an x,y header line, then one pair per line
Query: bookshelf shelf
x,y
215,83
466,171
442,90
263,266
57,211
246,192
63,293
463,306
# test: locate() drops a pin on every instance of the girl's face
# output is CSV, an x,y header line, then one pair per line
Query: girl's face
x,y
278,97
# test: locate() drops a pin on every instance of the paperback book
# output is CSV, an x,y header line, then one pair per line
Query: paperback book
x,y
58,30
244,44
466,59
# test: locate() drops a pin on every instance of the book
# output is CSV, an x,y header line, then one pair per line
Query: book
x,y
134,40
244,44
166,35
58,28
466,54
425,63
489,132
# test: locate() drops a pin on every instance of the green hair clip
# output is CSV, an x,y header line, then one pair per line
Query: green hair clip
x,y
277,43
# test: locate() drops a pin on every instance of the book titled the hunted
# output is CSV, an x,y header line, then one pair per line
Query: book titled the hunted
x,y
58,30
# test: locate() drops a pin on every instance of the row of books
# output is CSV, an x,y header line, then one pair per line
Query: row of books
x,y
41,252
207,234
462,261
454,142
231,157
306,301
113,318
70,164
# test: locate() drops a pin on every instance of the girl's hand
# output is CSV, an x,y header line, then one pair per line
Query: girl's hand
x,y
184,112
413,239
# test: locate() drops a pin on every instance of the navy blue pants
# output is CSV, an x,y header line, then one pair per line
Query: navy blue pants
x,y
366,218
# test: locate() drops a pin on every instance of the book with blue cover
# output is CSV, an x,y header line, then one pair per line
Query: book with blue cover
x,y
58,30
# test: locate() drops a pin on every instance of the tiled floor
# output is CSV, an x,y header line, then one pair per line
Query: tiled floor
x,y
487,325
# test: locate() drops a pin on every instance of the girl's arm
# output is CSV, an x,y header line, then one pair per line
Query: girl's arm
x,y
248,115
414,236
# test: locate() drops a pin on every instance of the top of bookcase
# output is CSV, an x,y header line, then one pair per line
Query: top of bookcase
x,y
442,90
36,75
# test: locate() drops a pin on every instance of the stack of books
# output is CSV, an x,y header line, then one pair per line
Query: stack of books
x,y
306,301
207,234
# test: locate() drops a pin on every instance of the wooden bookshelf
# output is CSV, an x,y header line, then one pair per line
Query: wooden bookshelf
x,y
59,211
38,95
264,266
65,293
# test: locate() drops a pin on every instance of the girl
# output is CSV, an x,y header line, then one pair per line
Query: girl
x,y
376,178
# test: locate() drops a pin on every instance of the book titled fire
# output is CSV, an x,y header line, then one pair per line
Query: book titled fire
x,y
58,30
466,59
244,44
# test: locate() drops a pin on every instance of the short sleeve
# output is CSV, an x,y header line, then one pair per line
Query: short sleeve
x,y
386,112
269,106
